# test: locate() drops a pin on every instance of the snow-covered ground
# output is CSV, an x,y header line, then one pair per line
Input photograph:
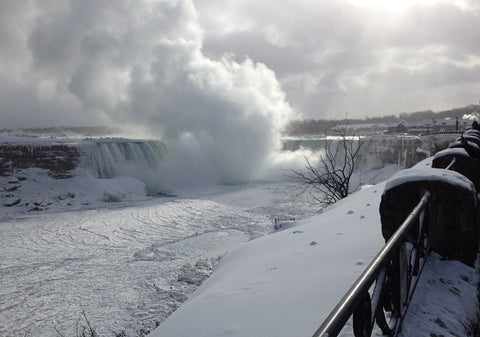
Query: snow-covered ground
x,y
102,246
285,283
127,260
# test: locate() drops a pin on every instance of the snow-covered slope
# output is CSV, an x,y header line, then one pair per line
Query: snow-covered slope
x,y
285,284
32,190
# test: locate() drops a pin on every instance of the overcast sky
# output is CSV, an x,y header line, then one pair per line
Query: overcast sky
x,y
186,66
364,58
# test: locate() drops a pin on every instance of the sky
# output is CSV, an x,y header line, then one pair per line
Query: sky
x,y
205,69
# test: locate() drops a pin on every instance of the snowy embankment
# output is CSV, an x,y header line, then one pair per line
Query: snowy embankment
x,y
32,190
286,283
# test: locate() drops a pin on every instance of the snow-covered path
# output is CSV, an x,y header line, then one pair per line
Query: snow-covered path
x,y
122,265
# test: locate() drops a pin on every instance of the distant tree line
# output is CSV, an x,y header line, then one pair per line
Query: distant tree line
x,y
323,126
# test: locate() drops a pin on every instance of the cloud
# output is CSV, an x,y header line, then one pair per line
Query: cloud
x,y
21,107
319,50
326,53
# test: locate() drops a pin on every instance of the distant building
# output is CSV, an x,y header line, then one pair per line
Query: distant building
x,y
446,125
399,127
431,126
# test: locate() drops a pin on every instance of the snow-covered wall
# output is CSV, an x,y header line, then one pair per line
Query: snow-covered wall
x,y
451,216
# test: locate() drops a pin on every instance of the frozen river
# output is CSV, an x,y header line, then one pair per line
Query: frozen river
x,y
129,266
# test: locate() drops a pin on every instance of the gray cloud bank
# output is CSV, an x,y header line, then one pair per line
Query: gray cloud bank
x,y
333,57
94,62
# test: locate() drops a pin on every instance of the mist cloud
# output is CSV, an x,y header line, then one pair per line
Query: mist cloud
x,y
140,65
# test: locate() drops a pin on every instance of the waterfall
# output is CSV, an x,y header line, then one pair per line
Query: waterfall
x,y
106,158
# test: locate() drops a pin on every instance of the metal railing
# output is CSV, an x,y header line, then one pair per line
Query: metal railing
x,y
395,269
452,164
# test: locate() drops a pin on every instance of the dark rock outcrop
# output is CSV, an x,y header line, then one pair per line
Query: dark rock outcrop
x,y
58,159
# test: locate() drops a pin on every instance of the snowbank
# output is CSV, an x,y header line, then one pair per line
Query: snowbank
x,y
445,302
32,190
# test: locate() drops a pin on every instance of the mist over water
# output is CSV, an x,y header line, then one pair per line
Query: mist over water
x,y
229,136
150,162
220,119
140,66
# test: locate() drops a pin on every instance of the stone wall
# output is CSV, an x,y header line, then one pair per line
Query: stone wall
x,y
451,216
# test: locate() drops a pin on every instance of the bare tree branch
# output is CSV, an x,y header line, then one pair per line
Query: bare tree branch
x,y
331,179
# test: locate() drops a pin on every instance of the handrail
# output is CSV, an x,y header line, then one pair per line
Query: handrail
x,y
452,163
336,320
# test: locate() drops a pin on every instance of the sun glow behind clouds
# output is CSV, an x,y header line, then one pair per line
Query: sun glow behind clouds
x,y
400,5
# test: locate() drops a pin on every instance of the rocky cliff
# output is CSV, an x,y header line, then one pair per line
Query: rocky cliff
x,y
59,159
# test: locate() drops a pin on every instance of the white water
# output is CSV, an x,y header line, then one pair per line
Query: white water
x,y
107,158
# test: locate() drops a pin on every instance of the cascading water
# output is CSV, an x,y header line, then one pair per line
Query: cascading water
x,y
106,158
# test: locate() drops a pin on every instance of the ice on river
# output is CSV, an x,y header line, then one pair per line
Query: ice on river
x,y
126,264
